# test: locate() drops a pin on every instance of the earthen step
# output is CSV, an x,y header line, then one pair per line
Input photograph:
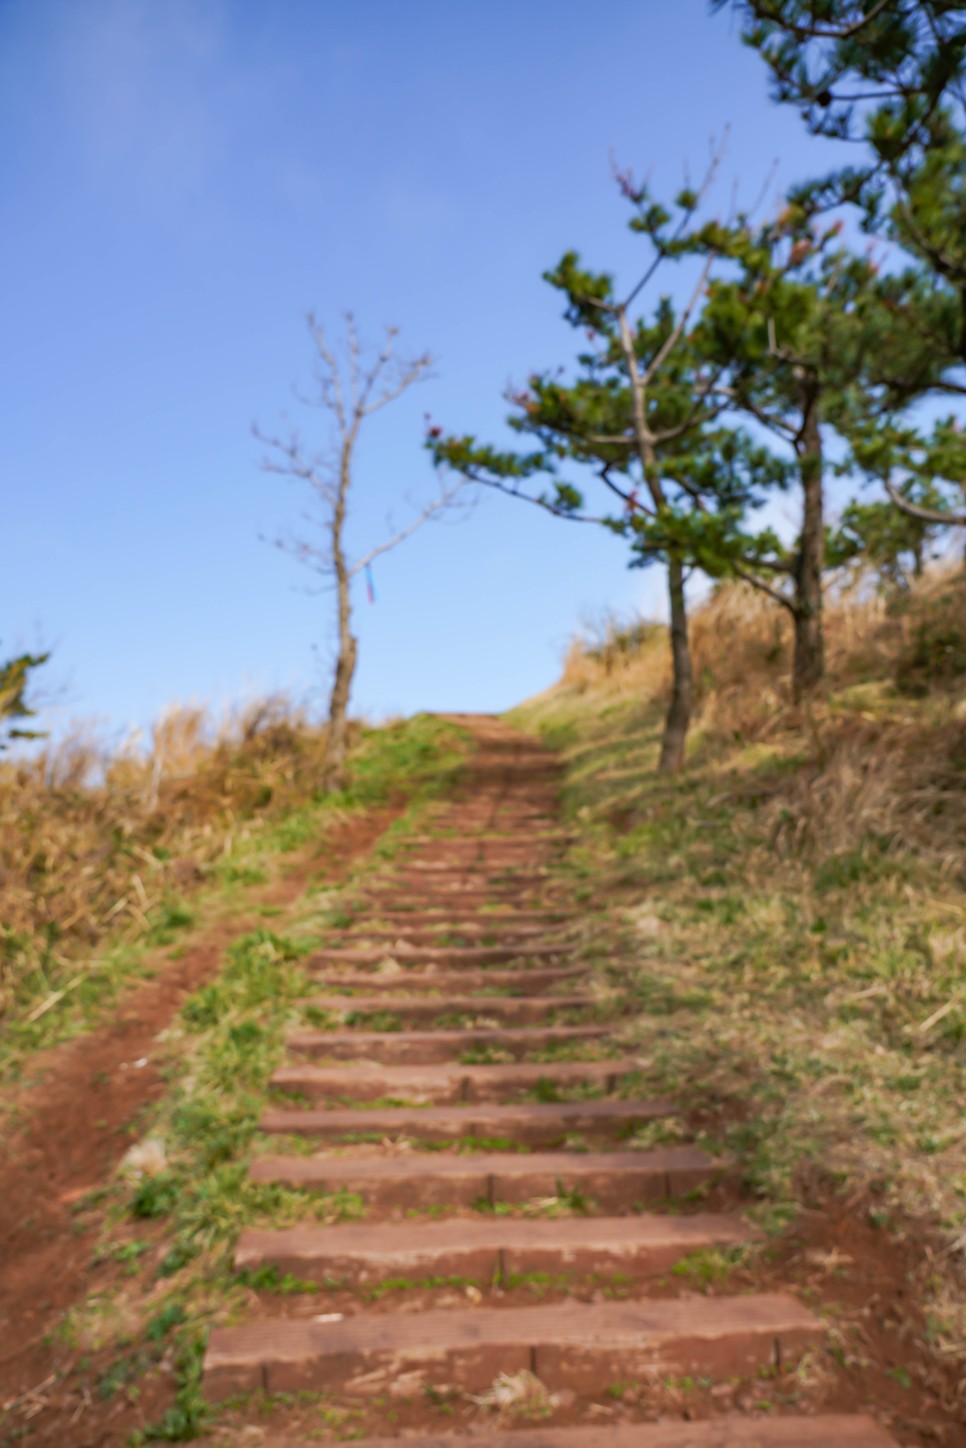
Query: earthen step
x,y
440,877
512,862
532,1123
503,831
481,920
500,817
397,941
526,848
465,838
616,1181
423,893
485,1250
459,891
509,1008
437,954
468,897
445,934
591,1344
483,870
369,1081
426,1047
416,978
825,1431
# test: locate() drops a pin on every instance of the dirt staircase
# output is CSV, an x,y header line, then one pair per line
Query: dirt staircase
x,y
459,1054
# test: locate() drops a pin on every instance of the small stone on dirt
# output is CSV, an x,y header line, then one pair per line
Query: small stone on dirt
x,y
145,1158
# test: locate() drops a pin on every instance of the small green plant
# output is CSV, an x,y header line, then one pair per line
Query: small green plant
x,y
189,1415
155,1196
170,1316
709,1266
172,914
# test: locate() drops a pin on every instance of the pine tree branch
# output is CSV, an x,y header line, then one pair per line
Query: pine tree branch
x,y
674,336
952,519
773,593
826,32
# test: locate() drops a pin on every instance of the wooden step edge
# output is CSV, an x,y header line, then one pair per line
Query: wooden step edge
x,y
825,1430
468,927
506,837
416,978
436,954
529,1123
549,912
409,938
446,1005
613,1181
456,1082
447,894
426,1047
577,1348
487,1249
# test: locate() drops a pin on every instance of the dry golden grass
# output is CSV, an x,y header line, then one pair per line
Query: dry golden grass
x,y
740,639
94,843
883,748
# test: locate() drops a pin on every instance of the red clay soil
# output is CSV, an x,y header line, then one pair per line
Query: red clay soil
x,y
75,1119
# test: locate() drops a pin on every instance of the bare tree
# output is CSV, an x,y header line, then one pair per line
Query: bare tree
x,y
350,384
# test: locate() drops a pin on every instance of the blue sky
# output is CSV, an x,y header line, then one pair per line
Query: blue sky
x,y
184,180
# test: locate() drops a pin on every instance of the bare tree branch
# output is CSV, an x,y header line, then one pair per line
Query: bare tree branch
x,y
351,385
445,500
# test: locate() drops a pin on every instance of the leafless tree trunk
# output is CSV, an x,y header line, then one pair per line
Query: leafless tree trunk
x,y
345,667
349,387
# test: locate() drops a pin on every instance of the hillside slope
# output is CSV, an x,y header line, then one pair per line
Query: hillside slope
x,y
795,900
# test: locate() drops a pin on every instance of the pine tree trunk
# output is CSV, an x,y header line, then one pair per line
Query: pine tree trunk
x,y
678,718
809,661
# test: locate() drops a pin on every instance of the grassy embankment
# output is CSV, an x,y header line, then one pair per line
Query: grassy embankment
x,y
109,861
794,925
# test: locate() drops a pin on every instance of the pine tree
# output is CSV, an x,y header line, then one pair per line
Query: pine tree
x,y
887,76
634,422
14,684
786,335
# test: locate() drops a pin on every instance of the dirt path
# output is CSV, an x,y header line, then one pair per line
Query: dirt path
x,y
544,1259
73,1122
483,1066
